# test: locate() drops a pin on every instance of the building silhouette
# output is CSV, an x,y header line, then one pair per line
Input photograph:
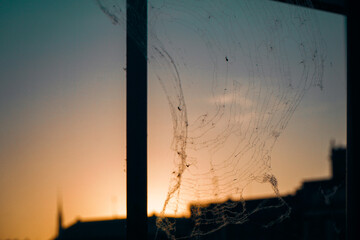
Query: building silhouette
x,y
317,212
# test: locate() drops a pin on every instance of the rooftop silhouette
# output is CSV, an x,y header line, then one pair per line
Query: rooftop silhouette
x,y
317,212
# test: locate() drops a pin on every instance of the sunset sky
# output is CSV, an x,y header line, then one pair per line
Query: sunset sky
x,y
62,118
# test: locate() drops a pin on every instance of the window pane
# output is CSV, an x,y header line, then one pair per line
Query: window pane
x,y
62,114
244,101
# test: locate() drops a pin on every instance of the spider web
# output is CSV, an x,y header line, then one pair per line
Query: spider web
x,y
233,73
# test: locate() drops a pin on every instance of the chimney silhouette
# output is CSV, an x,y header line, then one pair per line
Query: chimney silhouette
x,y
338,160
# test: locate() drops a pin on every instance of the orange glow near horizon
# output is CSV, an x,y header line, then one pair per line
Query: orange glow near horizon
x,y
84,160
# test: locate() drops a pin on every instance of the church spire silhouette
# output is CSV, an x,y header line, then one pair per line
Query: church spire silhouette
x,y
60,215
